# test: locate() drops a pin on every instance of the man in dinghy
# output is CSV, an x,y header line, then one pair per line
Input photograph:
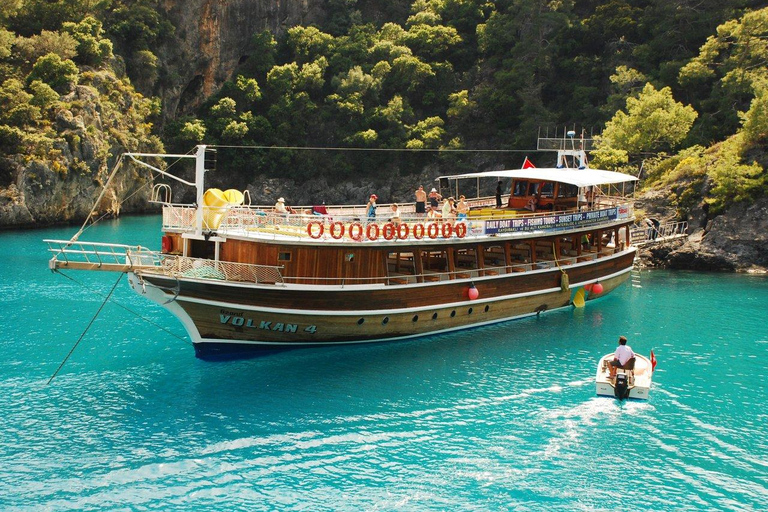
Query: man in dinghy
x,y
622,354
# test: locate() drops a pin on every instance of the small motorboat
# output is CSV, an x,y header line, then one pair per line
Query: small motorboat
x,y
631,381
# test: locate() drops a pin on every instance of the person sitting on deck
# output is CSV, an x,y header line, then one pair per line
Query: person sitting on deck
x,y
622,354
395,218
281,208
532,202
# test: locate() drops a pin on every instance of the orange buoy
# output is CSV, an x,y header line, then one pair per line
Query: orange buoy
x,y
312,233
372,235
389,231
355,231
333,232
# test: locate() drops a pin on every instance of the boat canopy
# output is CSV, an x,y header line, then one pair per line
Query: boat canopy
x,y
579,177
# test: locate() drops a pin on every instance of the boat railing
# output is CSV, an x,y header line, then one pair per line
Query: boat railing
x,y
351,223
642,235
182,266
97,255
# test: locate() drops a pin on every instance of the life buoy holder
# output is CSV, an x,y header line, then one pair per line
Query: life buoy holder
x,y
433,230
460,229
402,234
166,243
357,234
418,231
372,235
332,230
388,232
447,230
312,233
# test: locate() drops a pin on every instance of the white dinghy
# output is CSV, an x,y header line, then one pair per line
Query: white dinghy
x,y
631,381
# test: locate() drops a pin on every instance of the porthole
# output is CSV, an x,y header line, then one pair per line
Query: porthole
x,y
470,311
385,321
434,316
487,307
453,313
415,318
361,321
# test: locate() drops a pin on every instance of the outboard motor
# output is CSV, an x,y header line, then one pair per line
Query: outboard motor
x,y
621,388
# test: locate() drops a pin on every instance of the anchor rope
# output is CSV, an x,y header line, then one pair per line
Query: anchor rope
x,y
129,310
85,331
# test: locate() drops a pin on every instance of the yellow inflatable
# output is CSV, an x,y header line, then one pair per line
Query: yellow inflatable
x,y
215,204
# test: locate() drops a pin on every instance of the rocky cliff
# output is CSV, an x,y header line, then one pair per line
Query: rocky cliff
x,y
212,37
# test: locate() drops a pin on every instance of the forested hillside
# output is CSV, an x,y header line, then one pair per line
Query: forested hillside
x,y
677,89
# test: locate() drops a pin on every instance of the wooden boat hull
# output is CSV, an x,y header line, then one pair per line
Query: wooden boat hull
x,y
232,319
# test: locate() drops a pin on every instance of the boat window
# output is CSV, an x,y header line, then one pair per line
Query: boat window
x,y
547,189
533,189
521,187
283,256
350,256
567,190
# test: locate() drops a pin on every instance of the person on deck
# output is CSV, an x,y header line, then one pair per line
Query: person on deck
x,y
370,208
448,209
462,209
281,208
421,201
532,202
434,199
395,214
622,354
498,195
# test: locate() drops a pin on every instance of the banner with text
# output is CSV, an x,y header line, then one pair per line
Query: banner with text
x,y
556,222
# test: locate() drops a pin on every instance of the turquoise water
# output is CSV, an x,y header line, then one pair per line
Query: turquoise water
x,y
496,418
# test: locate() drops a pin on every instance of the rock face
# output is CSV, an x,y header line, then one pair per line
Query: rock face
x,y
733,241
212,39
92,126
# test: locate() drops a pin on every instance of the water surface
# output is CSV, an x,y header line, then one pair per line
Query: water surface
x,y
495,418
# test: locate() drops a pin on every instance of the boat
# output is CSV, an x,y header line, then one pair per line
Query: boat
x,y
632,381
246,279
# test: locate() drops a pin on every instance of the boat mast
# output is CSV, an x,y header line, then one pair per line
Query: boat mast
x,y
200,187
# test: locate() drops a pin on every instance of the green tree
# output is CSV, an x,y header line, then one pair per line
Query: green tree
x,y
92,48
32,48
653,121
61,75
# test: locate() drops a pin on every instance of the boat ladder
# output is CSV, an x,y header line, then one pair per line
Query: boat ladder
x,y
636,273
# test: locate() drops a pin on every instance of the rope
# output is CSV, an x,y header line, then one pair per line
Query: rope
x,y
85,331
565,285
129,310
408,150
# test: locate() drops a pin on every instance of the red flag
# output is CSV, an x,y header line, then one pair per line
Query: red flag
x,y
528,164
653,361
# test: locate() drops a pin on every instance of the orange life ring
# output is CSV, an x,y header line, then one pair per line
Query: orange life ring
x,y
357,235
332,230
319,233
460,229
388,232
400,234
447,230
418,231
372,236
433,230
166,243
